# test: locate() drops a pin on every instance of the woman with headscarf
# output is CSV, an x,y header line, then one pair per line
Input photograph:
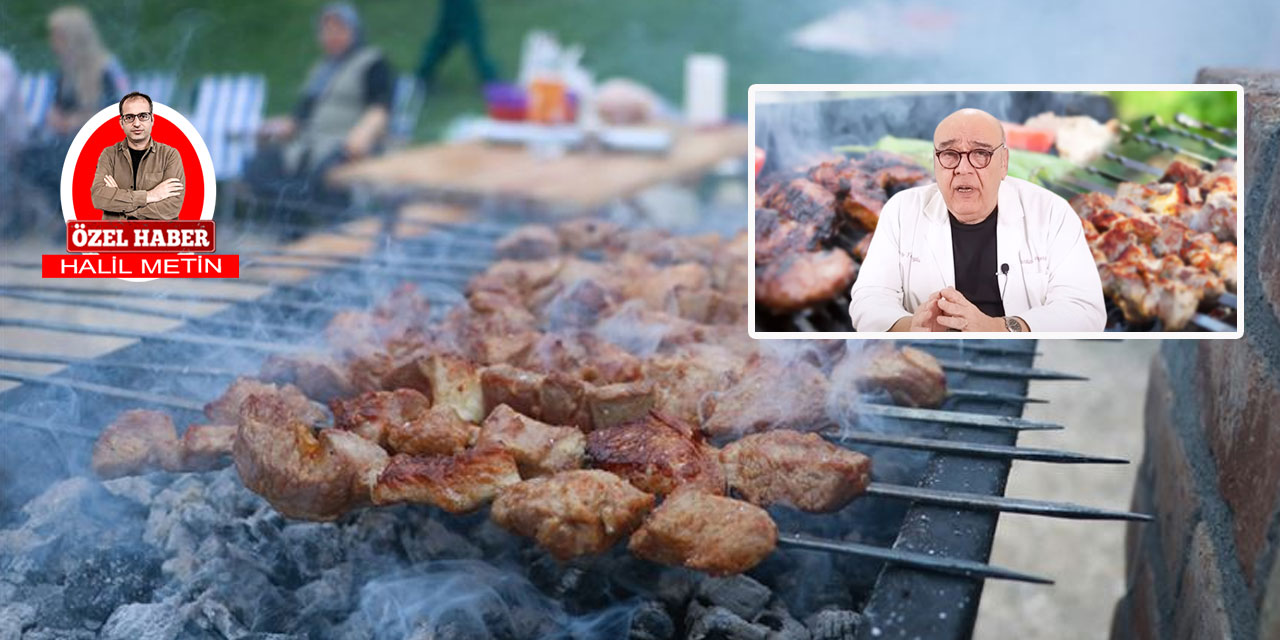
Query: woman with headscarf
x,y
342,112
89,77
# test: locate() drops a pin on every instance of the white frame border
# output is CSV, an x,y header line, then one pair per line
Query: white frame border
x,y
933,88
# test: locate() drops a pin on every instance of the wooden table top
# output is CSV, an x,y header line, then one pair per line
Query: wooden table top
x,y
576,178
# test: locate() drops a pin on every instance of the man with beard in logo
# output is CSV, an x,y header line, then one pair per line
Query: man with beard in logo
x,y
978,250
138,178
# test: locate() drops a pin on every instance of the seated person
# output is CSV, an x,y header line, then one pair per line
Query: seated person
x,y
342,114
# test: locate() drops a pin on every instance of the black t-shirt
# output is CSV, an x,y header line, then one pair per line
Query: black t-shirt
x,y
136,156
977,268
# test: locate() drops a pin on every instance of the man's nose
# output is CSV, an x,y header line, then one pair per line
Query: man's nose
x,y
965,167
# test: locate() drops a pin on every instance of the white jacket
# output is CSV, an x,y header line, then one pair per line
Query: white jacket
x,y
1052,283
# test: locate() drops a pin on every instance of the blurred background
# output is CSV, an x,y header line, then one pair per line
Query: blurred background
x,y
441,56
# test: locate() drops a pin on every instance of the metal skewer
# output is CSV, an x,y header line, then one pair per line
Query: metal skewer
x,y
991,396
1187,121
959,418
953,566
1189,134
975,449
1205,162
179,369
168,336
1133,164
182,297
979,502
106,390
84,301
1002,371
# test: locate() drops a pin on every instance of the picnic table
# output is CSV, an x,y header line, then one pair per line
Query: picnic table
x,y
576,179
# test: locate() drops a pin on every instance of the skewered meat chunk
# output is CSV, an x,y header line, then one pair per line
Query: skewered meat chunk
x,y
681,382
912,377
371,414
226,408
799,470
718,535
572,513
770,395
448,380
207,446
539,448
136,442
657,454
585,356
317,376
778,236
587,234
558,398
302,474
803,279
529,242
458,484
439,431
805,202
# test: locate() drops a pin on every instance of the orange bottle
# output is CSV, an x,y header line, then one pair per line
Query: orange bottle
x,y
548,100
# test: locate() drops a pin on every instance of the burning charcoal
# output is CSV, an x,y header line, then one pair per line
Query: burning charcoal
x,y
372,533
833,624
783,626
676,586
99,584
650,622
492,537
158,621
718,623
139,489
213,616
59,634
14,618
739,594
312,547
433,541
329,598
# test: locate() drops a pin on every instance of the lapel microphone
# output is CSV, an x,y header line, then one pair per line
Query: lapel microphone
x,y
1004,271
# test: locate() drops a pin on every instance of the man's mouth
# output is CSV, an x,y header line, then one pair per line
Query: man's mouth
x,y
965,190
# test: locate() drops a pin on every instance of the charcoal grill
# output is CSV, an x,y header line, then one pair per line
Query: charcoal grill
x,y
919,577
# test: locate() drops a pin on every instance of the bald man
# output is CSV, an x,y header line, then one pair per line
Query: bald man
x,y
977,250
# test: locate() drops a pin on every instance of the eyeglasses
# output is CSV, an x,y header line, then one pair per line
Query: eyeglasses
x,y
142,117
978,158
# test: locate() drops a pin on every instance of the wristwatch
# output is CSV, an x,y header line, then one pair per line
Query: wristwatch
x,y
1012,324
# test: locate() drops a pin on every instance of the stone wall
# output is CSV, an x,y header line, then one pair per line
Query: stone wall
x,y
1207,567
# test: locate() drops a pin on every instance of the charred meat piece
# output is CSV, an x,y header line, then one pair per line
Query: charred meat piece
x,y
808,203
770,395
437,431
207,446
778,236
529,242
572,513
585,356
860,249
799,470
136,442
684,380
539,448
302,474
657,454
458,484
718,535
226,409
912,377
370,415
558,398
317,376
586,234
804,279
448,380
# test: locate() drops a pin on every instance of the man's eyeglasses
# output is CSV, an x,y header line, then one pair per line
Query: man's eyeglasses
x,y
979,158
142,117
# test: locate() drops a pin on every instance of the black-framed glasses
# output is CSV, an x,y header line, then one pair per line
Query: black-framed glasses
x,y
145,116
978,158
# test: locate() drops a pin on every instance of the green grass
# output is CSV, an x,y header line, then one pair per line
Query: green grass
x,y
644,40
